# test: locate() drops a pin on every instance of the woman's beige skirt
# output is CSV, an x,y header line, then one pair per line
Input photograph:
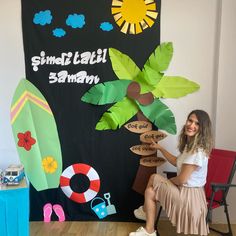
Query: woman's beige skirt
x,y
185,207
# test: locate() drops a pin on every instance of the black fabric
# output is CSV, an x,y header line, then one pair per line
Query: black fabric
x,y
106,151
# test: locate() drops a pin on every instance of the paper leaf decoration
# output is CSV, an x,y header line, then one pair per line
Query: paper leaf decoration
x,y
154,135
160,115
152,161
174,87
150,81
145,85
123,66
117,115
36,136
105,93
161,57
151,76
139,126
143,150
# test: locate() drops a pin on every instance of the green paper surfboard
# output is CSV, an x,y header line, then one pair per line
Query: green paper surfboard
x,y
35,133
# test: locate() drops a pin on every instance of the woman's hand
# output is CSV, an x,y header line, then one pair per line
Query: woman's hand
x,y
155,145
169,157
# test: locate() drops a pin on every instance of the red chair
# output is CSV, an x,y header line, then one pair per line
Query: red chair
x,y
221,170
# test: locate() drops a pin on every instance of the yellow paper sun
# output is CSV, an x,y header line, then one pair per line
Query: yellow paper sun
x,y
133,16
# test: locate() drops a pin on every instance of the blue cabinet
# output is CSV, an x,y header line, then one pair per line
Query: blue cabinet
x,y
14,210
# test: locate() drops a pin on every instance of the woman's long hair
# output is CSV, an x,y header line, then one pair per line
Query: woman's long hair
x,y
202,139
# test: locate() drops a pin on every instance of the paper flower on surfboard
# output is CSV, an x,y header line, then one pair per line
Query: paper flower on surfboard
x,y
140,90
36,136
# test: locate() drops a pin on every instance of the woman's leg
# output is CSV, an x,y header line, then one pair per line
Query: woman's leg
x,y
150,205
149,186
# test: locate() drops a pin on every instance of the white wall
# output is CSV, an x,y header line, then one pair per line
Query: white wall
x,y
191,26
226,93
11,71
204,37
204,52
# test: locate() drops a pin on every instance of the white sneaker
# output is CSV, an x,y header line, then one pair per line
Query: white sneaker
x,y
140,214
142,232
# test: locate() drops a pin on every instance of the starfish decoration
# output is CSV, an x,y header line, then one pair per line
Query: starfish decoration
x,y
140,90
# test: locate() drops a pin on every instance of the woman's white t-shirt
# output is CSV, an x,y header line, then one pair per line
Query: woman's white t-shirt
x,y
200,159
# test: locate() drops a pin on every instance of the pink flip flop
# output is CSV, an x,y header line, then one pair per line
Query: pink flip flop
x,y
47,212
59,212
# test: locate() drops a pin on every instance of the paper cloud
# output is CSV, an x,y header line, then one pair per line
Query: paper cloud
x,y
106,26
59,32
76,21
43,18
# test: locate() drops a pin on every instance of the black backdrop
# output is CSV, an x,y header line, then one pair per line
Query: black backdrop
x,y
106,151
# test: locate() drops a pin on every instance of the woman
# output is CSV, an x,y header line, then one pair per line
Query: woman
x,y
182,197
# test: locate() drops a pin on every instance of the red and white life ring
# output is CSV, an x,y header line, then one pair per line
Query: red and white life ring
x,y
92,175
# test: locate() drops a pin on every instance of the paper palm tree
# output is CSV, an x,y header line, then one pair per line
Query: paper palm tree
x,y
135,87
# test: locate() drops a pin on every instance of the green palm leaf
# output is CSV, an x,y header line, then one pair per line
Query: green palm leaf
x,y
174,87
123,66
105,93
160,115
151,76
117,115
145,86
161,57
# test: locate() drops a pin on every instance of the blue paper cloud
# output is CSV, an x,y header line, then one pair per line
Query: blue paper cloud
x,y
59,32
106,26
43,18
76,20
